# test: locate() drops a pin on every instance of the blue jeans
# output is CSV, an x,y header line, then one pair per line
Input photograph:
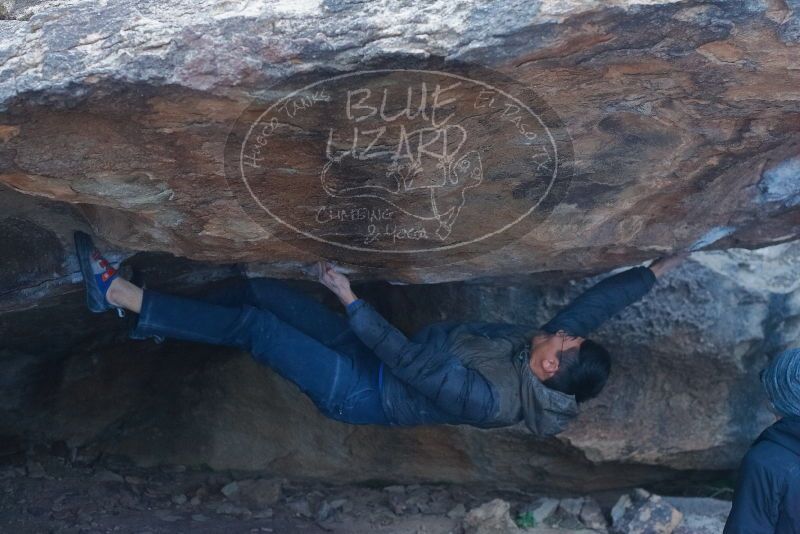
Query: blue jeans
x,y
299,338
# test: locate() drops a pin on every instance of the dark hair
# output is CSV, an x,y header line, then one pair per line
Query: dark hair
x,y
585,375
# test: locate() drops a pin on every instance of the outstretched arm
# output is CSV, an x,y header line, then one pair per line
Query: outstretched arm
x,y
437,374
608,297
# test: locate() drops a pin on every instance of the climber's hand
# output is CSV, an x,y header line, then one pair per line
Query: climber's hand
x,y
667,263
336,282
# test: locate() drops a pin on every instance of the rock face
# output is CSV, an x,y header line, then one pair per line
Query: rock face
x,y
648,124
577,137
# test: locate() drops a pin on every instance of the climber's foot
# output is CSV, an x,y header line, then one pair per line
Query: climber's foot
x,y
98,274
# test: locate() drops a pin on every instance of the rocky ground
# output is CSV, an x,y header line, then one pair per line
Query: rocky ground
x,y
66,490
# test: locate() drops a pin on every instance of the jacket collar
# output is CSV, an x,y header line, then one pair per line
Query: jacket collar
x,y
785,432
546,411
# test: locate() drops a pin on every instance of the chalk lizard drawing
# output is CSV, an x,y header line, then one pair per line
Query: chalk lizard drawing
x,y
436,194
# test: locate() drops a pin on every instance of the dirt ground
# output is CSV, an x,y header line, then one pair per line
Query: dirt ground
x,y
52,494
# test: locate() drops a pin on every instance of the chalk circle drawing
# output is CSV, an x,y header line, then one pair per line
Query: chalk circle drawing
x,y
399,165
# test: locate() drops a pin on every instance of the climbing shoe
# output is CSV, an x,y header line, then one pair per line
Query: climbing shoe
x,y
97,273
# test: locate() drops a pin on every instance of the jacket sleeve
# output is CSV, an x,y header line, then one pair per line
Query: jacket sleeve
x,y
601,302
437,374
755,502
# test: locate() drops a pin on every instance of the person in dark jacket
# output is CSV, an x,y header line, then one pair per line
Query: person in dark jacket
x,y
361,370
767,495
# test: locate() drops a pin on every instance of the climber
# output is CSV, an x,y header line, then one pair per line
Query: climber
x,y
767,495
361,370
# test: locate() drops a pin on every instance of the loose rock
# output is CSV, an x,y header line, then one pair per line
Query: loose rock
x,y
490,518
104,475
571,506
230,490
260,492
301,507
457,512
643,513
592,515
35,470
541,509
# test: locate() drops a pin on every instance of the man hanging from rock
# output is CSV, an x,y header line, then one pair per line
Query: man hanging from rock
x,y
359,369
767,495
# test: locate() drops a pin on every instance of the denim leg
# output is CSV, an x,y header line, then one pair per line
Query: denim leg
x,y
231,293
329,378
298,309
363,403
289,304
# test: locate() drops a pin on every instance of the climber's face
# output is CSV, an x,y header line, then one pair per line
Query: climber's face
x,y
548,351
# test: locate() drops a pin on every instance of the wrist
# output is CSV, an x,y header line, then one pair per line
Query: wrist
x,y
655,268
348,298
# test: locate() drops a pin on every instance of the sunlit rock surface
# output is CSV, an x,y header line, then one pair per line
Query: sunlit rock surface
x,y
680,117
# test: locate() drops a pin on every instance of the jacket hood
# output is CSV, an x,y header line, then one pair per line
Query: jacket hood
x,y
546,411
785,432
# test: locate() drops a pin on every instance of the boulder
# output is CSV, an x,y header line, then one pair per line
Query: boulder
x,y
675,124
618,131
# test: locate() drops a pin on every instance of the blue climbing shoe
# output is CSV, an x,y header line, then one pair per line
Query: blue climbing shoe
x,y
97,273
